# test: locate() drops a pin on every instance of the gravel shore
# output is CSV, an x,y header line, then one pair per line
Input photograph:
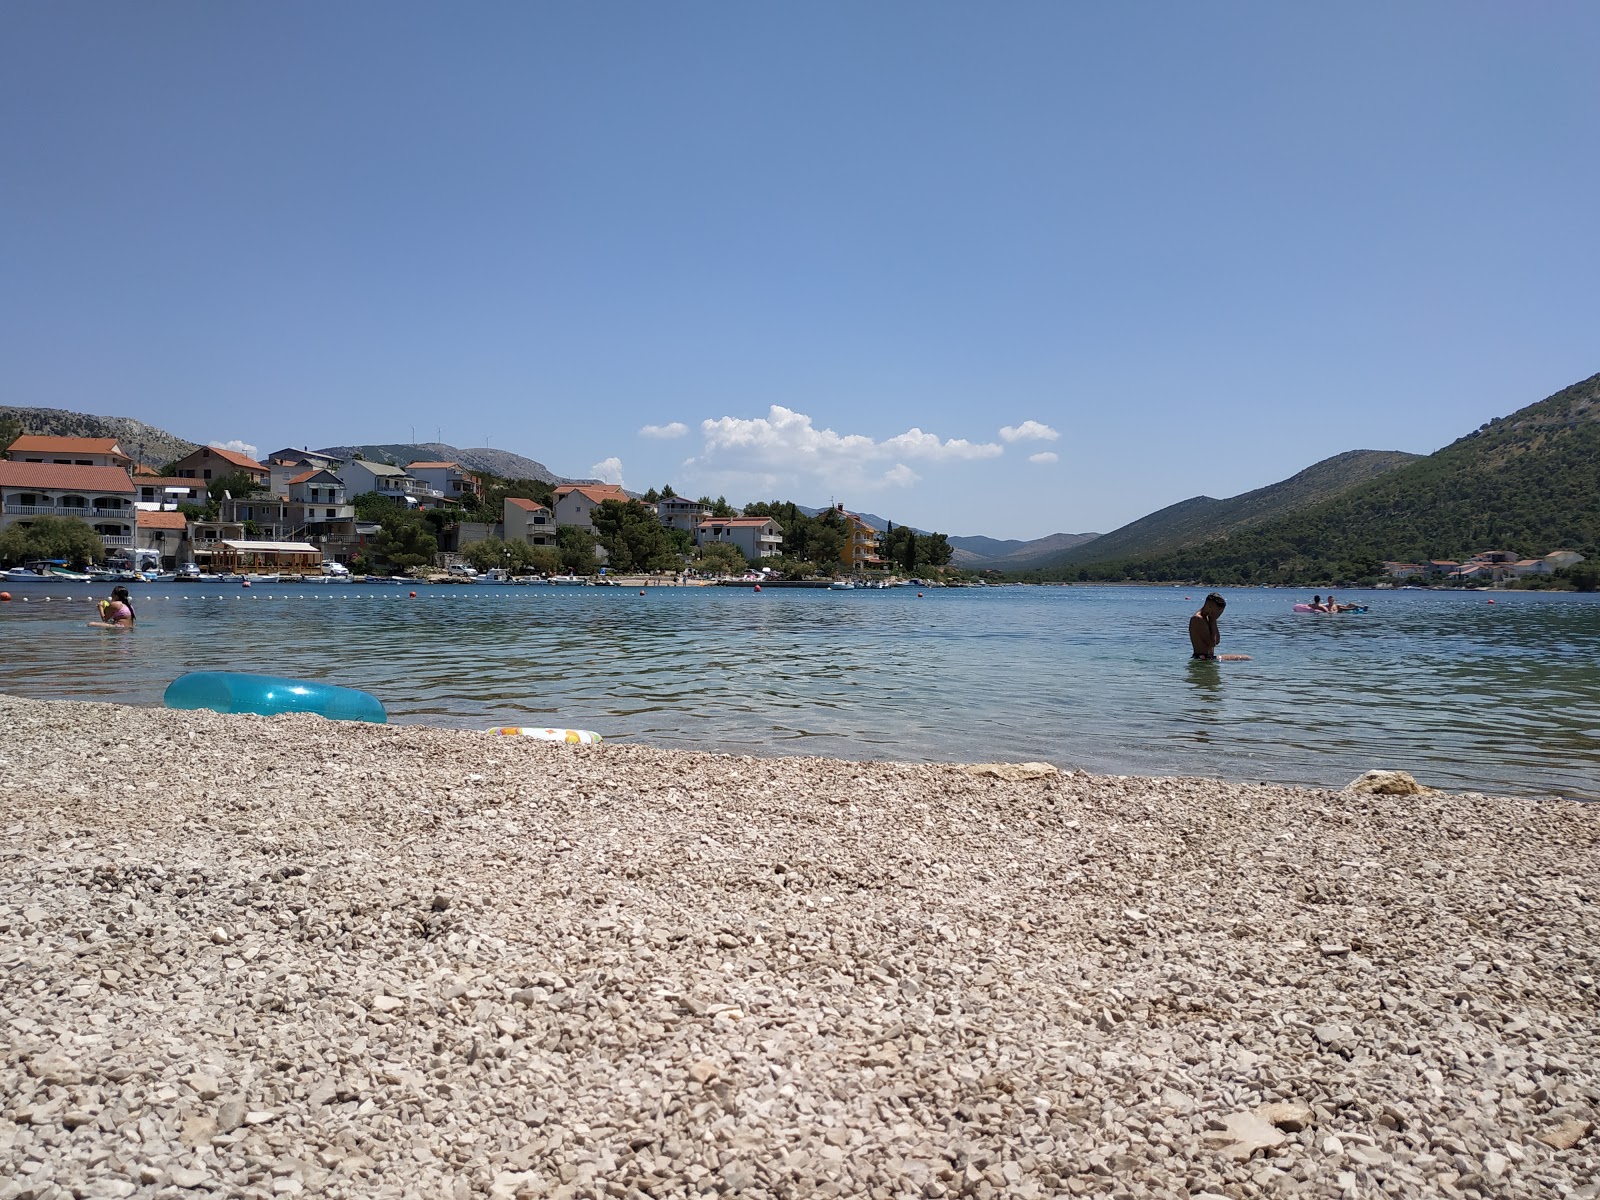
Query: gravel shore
x,y
272,957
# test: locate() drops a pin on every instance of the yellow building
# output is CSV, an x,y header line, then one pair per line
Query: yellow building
x,y
860,549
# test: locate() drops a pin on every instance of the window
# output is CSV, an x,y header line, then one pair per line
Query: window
x,y
330,512
207,475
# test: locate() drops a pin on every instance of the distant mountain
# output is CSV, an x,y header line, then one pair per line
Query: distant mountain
x,y
1201,518
1014,555
482,458
145,443
1527,483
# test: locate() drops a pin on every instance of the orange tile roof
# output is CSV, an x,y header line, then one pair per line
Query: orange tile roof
x,y
37,443
169,481
162,520
56,475
526,505
234,457
415,465
735,520
594,491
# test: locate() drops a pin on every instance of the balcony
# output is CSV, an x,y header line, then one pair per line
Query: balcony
x,y
63,510
114,541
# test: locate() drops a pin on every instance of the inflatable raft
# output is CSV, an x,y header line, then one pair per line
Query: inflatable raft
x,y
269,695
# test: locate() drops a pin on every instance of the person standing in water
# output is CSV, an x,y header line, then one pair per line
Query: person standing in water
x,y
119,609
1203,632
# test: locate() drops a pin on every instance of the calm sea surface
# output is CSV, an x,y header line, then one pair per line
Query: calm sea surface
x,y
1465,694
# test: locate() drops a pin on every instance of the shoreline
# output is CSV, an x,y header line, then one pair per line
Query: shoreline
x,y
364,960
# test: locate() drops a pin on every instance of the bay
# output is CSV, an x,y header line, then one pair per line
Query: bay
x,y
1502,697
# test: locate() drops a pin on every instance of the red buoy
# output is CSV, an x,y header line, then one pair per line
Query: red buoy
x,y
5,597
246,583
413,595
758,588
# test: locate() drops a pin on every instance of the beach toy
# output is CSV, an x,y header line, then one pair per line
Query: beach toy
x,y
5,597
268,695
574,737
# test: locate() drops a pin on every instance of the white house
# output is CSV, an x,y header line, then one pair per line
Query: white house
x,y
679,512
576,501
165,533
446,480
1560,560
361,476
755,537
157,492
529,521
100,495
315,498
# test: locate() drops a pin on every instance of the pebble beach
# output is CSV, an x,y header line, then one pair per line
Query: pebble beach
x,y
259,957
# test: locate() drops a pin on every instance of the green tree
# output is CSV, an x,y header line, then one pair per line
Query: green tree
x,y
719,558
10,431
576,546
68,538
370,506
633,537
406,544
934,549
235,483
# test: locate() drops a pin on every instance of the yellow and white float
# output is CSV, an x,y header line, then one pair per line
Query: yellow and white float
x,y
574,737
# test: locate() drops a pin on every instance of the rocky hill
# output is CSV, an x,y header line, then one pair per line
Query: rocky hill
x,y
1014,555
145,443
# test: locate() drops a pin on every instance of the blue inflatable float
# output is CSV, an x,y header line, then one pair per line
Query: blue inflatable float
x,y
268,695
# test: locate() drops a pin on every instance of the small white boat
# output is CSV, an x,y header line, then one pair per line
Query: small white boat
x,y
22,574
568,579
261,579
841,585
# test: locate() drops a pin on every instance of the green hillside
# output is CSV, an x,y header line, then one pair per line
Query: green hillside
x,y
1528,483
1202,518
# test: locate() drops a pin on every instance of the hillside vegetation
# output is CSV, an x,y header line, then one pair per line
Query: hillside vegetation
x,y
1202,518
1528,483
504,463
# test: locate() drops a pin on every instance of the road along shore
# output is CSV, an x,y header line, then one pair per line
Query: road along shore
x,y
262,957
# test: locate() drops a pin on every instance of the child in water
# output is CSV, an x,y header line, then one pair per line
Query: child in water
x,y
119,609
1203,632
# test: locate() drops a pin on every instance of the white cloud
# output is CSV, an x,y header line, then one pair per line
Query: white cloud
x,y
675,430
608,470
1045,456
786,449
1028,431
238,447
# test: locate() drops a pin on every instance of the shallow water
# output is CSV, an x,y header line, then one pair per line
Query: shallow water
x,y
1501,697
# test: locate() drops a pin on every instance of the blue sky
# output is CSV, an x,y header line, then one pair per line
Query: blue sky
x,y
820,251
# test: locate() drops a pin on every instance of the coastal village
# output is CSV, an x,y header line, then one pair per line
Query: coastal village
x,y
298,516
301,517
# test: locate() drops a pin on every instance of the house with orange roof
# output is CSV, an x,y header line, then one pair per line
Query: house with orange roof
x,y
754,537
576,501
213,462
528,521
69,451
102,496
164,532
860,549
167,491
315,500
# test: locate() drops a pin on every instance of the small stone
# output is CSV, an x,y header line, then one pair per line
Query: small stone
x,y
1387,783
1012,772
1495,1164
1245,1133
704,1071
205,1086
186,1177
1332,1145
387,1003
440,903
77,1119
1566,1135
230,1115
260,1117
197,1131
1291,1115
221,936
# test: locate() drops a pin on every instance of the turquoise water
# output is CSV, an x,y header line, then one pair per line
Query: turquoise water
x,y
1501,697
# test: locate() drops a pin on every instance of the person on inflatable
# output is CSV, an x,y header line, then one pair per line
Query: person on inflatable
x,y
1317,605
119,609
1334,606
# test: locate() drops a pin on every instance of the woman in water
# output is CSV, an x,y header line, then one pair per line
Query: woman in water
x,y
119,609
